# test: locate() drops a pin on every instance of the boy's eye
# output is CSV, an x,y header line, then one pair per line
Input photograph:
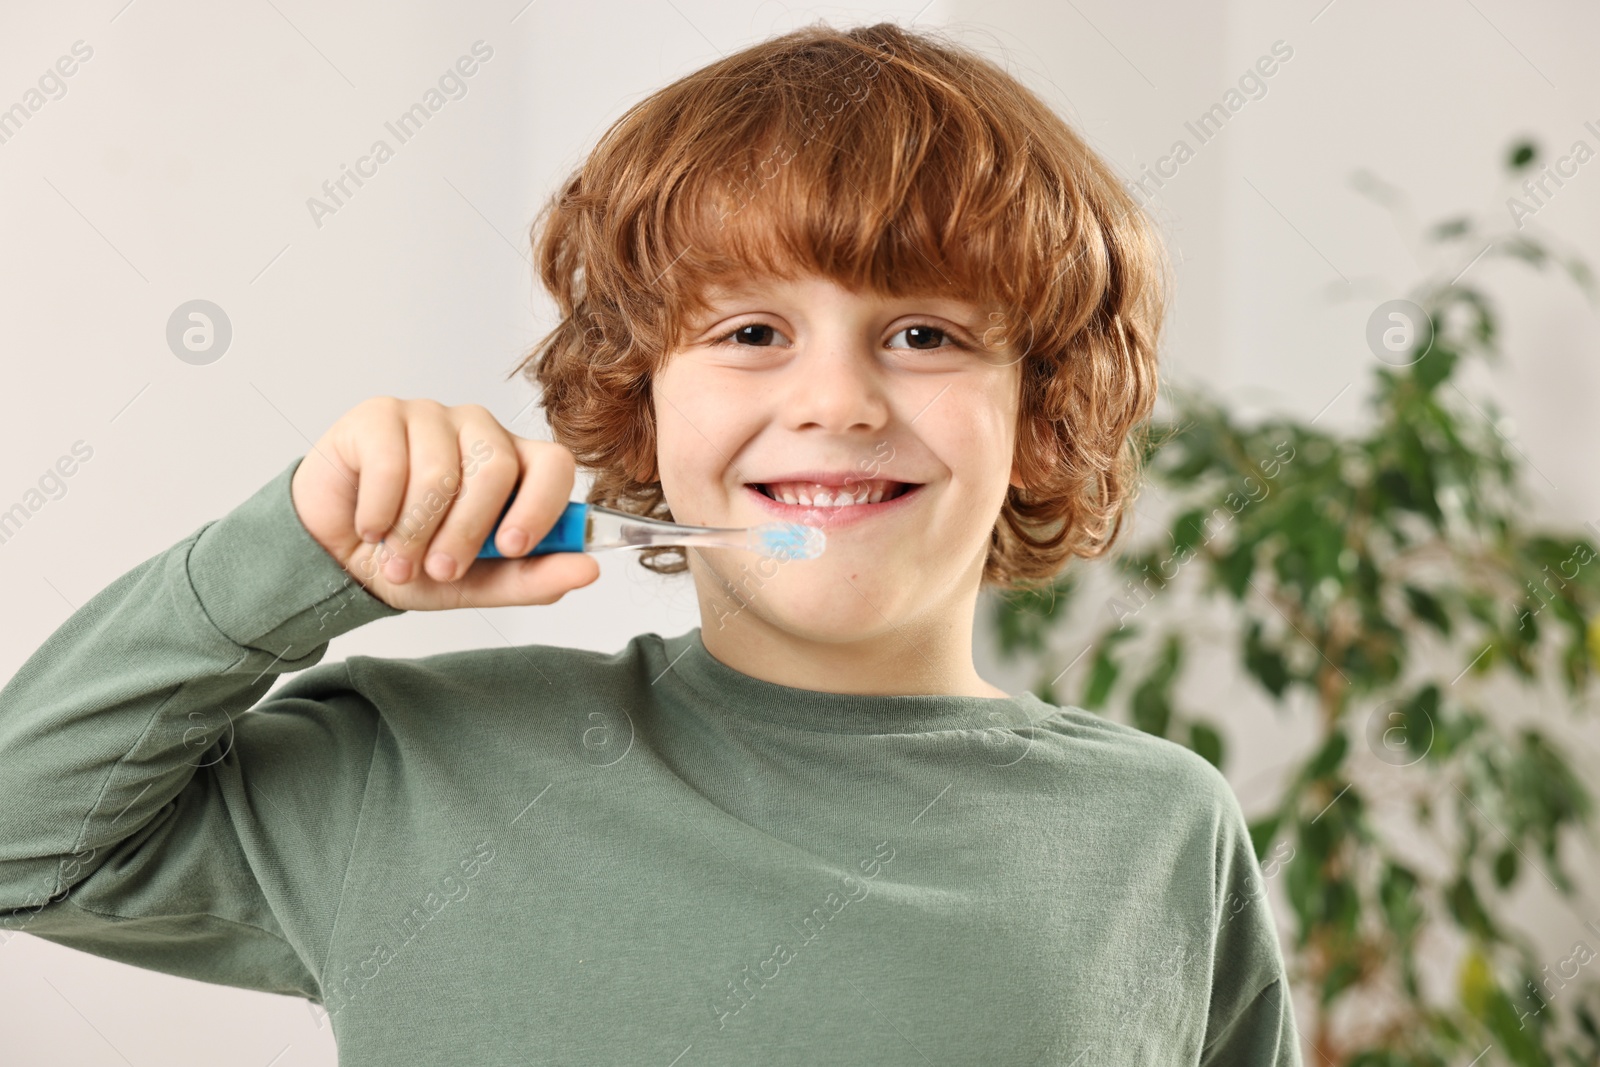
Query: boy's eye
x,y
923,332
744,332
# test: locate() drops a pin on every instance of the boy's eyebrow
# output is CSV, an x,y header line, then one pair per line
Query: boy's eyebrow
x,y
745,290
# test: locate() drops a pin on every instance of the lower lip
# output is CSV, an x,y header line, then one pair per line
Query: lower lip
x,y
831,518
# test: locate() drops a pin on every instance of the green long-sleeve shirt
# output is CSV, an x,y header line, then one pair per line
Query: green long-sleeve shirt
x,y
542,855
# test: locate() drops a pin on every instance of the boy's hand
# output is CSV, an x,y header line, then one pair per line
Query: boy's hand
x,y
402,493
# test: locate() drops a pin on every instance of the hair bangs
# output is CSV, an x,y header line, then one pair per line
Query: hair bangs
x,y
861,170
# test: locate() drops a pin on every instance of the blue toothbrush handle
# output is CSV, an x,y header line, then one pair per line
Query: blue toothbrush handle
x,y
565,536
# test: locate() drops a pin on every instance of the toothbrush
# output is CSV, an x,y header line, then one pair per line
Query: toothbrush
x,y
586,527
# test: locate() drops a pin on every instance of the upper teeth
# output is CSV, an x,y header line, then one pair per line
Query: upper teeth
x,y
811,494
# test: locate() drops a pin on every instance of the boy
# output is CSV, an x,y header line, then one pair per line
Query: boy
x,y
804,832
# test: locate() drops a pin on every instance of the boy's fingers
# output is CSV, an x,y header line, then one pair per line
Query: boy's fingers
x,y
365,565
433,479
548,474
489,473
380,463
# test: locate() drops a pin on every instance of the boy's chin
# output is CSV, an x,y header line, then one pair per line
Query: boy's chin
x,y
830,610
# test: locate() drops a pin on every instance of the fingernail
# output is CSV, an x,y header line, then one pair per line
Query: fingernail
x,y
515,540
398,568
441,566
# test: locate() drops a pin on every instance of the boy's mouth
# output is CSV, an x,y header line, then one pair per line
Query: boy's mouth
x,y
853,493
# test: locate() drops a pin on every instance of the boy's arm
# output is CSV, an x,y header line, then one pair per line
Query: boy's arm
x,y
1251,1017
147,817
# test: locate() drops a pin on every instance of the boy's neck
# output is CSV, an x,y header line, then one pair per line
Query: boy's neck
x,y
932,656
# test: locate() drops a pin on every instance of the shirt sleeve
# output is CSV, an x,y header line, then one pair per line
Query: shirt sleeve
x,y
154,816
1251,1015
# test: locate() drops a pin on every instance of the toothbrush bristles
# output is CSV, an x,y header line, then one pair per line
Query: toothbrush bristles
x,y
788,540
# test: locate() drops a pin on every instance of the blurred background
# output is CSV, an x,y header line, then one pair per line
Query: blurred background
x,y
179,161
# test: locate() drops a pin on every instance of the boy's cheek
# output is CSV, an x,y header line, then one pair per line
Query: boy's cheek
x,y
695,446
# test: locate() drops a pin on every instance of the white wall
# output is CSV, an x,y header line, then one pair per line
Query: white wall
x,y
178,165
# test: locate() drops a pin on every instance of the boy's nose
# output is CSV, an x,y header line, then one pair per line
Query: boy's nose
x,y
836,386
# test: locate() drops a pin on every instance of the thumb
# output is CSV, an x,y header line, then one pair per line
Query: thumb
x,y
526,580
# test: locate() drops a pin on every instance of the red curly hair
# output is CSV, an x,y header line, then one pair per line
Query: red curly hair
x,y
890,162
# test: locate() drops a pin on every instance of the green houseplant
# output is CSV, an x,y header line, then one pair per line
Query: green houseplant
x,y
1383,580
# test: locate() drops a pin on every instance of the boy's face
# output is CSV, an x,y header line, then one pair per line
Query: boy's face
x,y
794,382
